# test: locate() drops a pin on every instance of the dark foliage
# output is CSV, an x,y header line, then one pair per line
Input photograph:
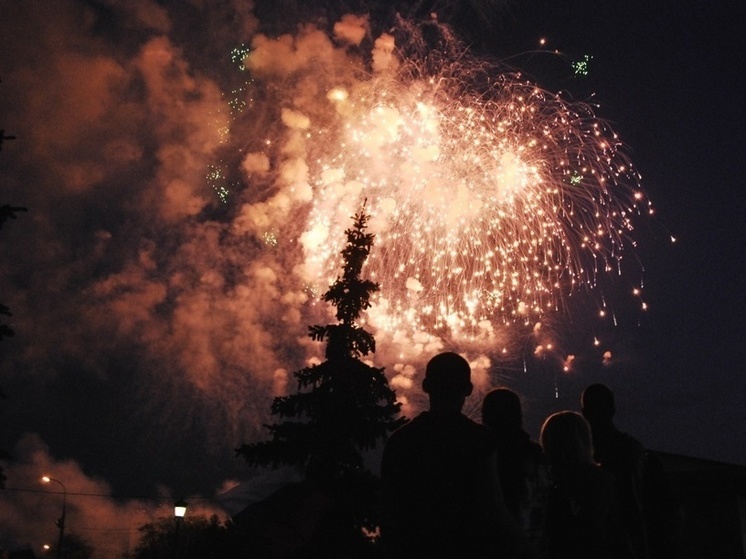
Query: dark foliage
x,y
7,212
342,408
188,538
3,137
73,547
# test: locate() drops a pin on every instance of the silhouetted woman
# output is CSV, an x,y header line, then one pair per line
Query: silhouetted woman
x,y
582,514
521,465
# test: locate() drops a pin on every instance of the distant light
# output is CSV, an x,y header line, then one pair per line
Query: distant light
x,y
180,508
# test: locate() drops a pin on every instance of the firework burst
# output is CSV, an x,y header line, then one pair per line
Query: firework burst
x,y
491,198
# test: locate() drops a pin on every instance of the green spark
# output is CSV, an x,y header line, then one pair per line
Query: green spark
x,y
216,179
581,66
223,194
236,101
238,55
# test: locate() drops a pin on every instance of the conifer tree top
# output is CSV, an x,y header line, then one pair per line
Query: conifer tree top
x,y
350,294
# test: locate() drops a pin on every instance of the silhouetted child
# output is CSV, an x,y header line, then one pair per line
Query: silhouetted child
x,y
521,464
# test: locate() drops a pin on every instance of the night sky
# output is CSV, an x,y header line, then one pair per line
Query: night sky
x,y
153,321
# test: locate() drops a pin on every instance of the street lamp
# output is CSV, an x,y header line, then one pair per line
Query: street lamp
x,y
180,508
61,522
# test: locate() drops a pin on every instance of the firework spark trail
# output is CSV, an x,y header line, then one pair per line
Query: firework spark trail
x,y
490,197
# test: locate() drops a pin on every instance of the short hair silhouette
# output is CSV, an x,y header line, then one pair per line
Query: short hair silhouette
x,y
447,374
566,439
441,494
501,409
597,403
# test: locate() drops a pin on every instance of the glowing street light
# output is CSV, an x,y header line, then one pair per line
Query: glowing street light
x,y
180,508
61,522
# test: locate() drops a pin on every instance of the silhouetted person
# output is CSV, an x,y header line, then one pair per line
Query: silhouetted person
x,y
442,496
623,456
521,464
582,515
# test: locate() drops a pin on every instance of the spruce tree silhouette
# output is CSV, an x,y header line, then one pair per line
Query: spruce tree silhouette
x,y
342,407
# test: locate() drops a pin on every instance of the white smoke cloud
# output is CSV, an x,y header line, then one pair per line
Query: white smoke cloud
x,y
383,54
480,372
351,28
190,114
295,119
255,163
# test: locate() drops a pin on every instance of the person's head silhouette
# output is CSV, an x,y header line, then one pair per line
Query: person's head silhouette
x,y
447,381
501,410
566,440
597,404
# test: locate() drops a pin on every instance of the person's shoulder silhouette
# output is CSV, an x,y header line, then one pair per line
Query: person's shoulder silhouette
x,y
440,490
622,455
582,515
522,466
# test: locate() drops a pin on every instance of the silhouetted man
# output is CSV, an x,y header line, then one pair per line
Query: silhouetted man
x,y
442,497
622,455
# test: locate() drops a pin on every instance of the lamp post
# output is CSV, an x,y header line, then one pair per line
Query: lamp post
x,y
61,522
180,508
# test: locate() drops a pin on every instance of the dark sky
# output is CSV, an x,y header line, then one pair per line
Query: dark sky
x,y
154,320
668,77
